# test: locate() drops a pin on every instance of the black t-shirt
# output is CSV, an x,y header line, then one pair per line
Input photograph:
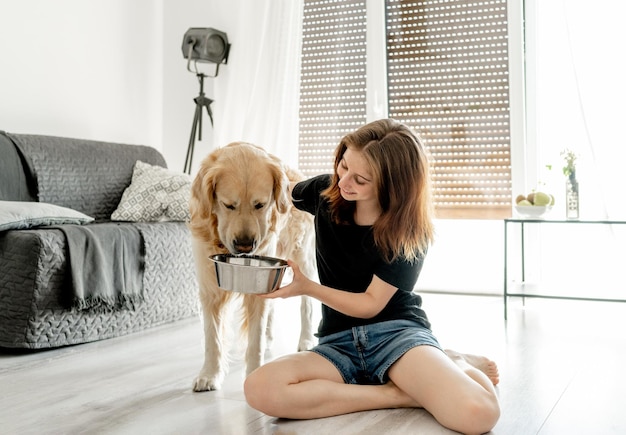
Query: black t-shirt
x,y
347,259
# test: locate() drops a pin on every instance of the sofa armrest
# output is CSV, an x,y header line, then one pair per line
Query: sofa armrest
x,y
31,262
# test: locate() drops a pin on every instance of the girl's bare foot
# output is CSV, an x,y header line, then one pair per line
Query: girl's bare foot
x,y
484,364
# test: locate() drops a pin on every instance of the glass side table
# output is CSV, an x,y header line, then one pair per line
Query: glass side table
x,y
522,222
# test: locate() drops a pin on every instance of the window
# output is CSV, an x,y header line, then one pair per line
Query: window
x,y
447,77
333,87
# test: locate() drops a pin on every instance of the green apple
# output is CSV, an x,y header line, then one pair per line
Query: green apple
x,y
542,198
524,202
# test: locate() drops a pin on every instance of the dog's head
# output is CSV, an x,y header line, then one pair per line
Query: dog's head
x,y
237,197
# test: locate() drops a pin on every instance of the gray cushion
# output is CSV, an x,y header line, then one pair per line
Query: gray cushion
x,y
19,215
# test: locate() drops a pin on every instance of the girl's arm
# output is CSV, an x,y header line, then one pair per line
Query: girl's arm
x,y
361,305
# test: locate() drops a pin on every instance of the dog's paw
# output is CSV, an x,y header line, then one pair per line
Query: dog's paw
x,y
206,383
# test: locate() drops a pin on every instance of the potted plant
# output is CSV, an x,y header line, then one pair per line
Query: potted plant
x,y
571,184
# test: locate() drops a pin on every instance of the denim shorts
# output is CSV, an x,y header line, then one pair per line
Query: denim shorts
x,y
364,354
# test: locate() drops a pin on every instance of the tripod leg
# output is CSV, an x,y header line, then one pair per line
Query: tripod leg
x,y
199,108
209,111
192,139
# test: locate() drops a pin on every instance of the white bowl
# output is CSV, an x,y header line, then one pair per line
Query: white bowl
x,y
532,211
252,274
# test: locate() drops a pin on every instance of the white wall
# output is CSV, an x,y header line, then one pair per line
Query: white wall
x,y
87,69
110,70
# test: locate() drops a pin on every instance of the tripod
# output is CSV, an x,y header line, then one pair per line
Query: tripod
x,y
201,101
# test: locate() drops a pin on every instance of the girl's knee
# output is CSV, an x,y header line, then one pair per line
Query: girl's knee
x,y
253,387
478,417
262,391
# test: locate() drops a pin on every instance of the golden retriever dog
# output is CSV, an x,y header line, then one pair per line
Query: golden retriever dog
x,y
240,205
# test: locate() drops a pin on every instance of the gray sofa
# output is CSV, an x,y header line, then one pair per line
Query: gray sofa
x,y
37,290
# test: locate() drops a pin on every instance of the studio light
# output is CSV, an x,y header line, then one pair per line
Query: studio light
x,y
205,45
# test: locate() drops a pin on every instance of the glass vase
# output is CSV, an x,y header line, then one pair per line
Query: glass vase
x,y
572,203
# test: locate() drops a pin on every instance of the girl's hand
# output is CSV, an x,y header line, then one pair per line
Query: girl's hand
x,y
297,287
363,305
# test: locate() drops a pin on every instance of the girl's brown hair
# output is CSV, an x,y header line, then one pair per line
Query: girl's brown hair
x,y
400,169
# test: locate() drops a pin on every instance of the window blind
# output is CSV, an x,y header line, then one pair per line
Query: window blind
x,y
448,78
333,87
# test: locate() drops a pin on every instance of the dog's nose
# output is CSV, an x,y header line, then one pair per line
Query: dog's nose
x,y
244,245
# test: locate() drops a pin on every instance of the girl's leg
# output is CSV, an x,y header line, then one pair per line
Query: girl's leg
x,y
306,385
454,388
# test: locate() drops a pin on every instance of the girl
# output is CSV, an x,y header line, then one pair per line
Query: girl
x,y
373,223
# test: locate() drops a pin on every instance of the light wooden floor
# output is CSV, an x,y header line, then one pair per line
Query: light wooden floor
x,y
561,365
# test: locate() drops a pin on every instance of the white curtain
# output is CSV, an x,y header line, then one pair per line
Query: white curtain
x,y
579,105
258,90
580,98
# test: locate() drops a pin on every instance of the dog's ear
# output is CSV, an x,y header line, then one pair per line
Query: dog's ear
x,y
281,187
203,187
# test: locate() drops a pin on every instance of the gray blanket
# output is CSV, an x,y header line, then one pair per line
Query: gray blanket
x,y
106,263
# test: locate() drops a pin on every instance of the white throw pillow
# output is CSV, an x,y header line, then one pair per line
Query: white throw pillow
x,y
155,194
19,215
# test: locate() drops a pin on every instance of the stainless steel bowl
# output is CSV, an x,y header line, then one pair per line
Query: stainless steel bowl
x,y
252,274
